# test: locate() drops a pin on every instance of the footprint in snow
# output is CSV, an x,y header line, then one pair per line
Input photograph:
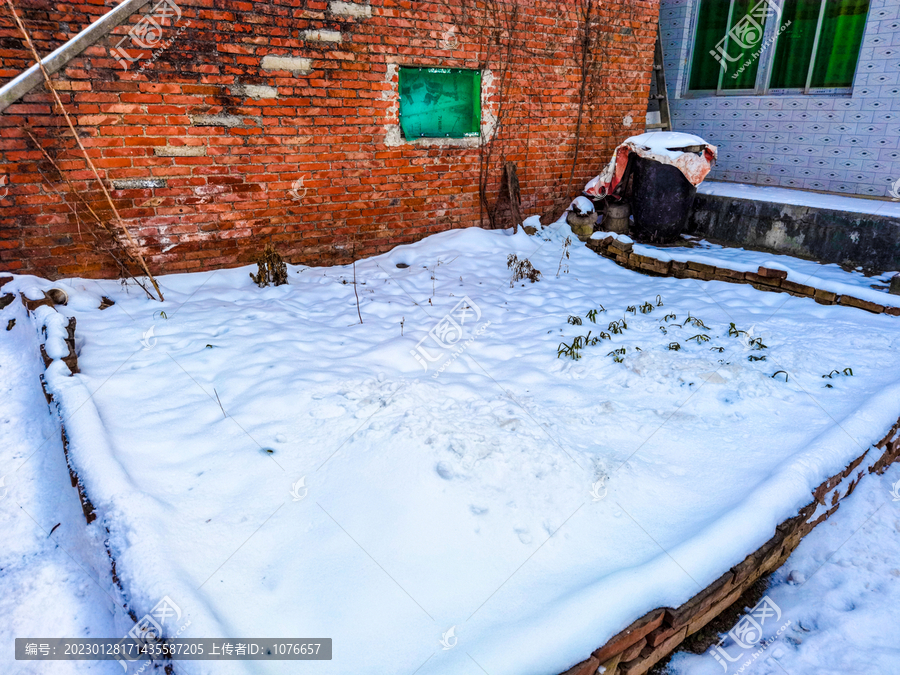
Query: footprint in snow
x,y
524,535
444,471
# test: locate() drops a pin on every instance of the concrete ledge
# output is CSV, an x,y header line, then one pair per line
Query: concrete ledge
x,y
829,235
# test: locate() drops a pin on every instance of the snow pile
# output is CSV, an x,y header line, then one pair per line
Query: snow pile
x,y
278,468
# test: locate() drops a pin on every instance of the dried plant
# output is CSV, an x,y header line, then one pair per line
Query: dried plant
x,y
521,269
272,268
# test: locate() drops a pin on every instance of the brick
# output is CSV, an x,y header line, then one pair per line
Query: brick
x,y
254,91
650,655
624,247
768,273
587,667
357,10
632,634
634,650
681,615
725,274
321,35
861,304
320,109
138,183
825,297
699,621
217,121
799,289
297,64
180,151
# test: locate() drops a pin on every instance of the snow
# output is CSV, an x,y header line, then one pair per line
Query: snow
x,y
53,582
664,143
839,590
461,496
827,277
779,195
583,205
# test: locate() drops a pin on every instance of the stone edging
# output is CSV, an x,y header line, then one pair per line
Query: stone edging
x,y
764,279
71,360
637,648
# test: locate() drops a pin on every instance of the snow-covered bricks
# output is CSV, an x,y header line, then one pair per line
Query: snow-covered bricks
x,y
637,648
649,260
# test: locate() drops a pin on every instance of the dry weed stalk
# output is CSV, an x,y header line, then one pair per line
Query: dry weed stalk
x,y
135,252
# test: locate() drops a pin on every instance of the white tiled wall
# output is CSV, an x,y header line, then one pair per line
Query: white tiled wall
x,y
848,144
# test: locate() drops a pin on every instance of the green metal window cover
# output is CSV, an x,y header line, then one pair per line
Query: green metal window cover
x,y
440,103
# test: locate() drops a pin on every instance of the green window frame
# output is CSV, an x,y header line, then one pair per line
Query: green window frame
x,y
440,102
768,47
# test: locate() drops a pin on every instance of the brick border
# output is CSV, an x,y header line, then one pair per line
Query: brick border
x,y
71,360
637,648
764,279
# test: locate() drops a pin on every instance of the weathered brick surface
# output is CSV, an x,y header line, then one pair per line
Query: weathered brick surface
x,y
301,91
861,304
632,634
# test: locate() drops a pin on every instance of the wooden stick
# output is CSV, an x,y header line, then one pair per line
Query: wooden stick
x,y
37,58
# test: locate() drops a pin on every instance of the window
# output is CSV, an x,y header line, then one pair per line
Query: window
x,y
776,46
440,103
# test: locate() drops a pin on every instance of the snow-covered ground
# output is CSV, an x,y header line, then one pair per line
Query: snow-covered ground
x,y
54,573
278,468
838,594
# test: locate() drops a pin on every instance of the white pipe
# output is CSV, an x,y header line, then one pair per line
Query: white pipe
x,y
56,60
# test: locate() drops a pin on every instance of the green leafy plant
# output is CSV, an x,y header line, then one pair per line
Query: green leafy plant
x,y
786,377
161,313
669,316
616,327
701,337
646,308
604,336
632,309
659,302
717,349
845,372
757,343
674,346
734,332
574,350
618,355
756,358
695,322
574,320
591,316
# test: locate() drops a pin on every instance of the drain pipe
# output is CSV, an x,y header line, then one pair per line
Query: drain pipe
x,y
56,60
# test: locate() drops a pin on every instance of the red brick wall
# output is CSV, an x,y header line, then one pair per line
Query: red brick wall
x,y
364,190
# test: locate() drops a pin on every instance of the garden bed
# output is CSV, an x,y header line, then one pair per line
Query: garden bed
x,y
533,503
